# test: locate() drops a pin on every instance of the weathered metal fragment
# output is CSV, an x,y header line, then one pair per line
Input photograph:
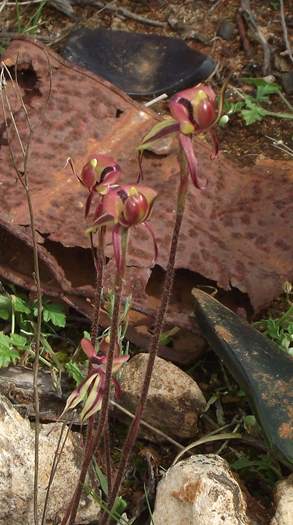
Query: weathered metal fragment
x,y
263,370
236,233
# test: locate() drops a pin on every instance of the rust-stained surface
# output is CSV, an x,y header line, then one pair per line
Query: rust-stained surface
x,y
236,233
188,492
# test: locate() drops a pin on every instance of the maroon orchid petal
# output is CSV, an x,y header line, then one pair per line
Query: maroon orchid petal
x,y
118,362
135,208
116,240
89,175
150,230
99,173
140,170
88,203
205,113
88,348
215,142
95,396
187,146
79,393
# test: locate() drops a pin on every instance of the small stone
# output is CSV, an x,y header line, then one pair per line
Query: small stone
x,y
174,402
284,502
287,82
17,471
226,30
200,490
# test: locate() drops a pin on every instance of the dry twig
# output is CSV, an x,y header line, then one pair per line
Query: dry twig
x,y
23,177
122,12
285,31
245,10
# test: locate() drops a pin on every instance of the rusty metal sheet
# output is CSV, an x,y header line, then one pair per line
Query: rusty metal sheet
x,y
236,233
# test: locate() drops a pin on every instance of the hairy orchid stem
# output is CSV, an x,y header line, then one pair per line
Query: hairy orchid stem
x,y
155,341
93,444
107,454
99,260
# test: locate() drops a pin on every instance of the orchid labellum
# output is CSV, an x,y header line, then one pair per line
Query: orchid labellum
x,y
98,175
125,206
91,389
193,112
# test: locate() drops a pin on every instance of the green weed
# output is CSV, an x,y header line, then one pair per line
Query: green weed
x,y
19,315
30,26
250,107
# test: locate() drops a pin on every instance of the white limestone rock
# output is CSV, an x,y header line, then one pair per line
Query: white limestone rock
x,y
200,490
284,502
17,471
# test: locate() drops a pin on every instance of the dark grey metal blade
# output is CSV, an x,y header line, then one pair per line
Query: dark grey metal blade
x,y
263,370
140,64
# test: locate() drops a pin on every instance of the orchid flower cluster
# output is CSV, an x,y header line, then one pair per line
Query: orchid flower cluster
x,y
123,206
120,206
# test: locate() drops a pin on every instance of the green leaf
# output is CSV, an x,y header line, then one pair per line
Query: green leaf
x,y
74,371
263,91
249,423
5,307
102,478
4,340
55,314
20,305
253,114
19,341
8,355
233,107
263,88
119,506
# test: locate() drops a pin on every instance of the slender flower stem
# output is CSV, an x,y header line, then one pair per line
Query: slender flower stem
x,y
107,452
99,260
94,442
36,345
155,341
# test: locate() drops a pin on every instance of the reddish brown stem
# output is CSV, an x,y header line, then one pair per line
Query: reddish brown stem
x,y
99,260
94,441
155,341
107,453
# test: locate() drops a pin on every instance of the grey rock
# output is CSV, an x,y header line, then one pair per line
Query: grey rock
x,y
226,30
284,502
200,490
17,471
287,82
174,401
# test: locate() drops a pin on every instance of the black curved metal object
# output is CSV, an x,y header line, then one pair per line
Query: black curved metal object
x,y
141,64
263,370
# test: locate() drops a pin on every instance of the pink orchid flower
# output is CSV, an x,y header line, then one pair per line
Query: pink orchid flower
x,y
123,207
98,175
91,389
193,112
